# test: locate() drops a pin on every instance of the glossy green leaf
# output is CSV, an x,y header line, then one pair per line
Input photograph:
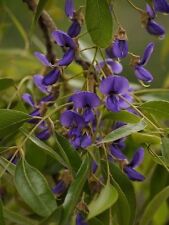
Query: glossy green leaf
x,y
99,22
123,116
71,153
11,120
2,221
75,190
123,131
46,148
142,138
106,198
157,108
18,218
34,190
165,149
5,83
153,206
128,190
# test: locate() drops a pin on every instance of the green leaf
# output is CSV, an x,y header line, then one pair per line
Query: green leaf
x,y
5,83
157,108
95,221
123,131
18,218
99,22
123,116
2,221
142,138
126,188
54,217
153,206
46,148
6,164
165,149
71,153
75,190
106,198
34,190
11,120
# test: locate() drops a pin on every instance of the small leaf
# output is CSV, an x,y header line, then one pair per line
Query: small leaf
x,y
142,138
11,120
74,191
107,197
165,149
99,22
5,83
6,164
18,218
157,108
34,190
153,206
71,153
123,131
123,116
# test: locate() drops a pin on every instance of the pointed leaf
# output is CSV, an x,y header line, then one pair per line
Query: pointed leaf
x,y
34,190
99,22
107,197
123,131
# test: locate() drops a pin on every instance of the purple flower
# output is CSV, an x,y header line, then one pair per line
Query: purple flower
x,y
44,134
52,77
69,8
68,57
28,99
80,220
81,140
140,72
74,29
153,27
59,188
113,65
72,119
119,49
113,87
43,59
161,6
94,166
129,169
87,101
37,79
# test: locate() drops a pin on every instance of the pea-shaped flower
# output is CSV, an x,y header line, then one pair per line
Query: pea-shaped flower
x,y
161,6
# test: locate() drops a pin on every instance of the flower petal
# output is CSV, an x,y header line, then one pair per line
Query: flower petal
x,y
112,103
84,99
72,119
133,174
51,77
120,48
150,11
44,135
161,6
115,66
74,29
43,59
137,158
117,153
155,28
69,8
147,54
59,188
143,74
86,141
88,116
63,39
37,79
67,58
28,99
114,84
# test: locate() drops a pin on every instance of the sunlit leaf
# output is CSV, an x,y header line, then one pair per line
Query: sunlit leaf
x,y
123,131
142,138
106,198
34,190
99,22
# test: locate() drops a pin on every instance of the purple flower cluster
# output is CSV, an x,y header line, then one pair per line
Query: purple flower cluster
x,y
80,118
